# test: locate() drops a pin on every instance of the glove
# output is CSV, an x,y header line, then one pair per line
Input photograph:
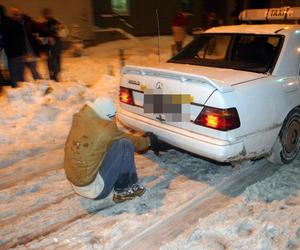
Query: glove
x,y
154,143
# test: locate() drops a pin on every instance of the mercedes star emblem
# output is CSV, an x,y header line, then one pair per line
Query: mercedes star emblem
x,y
159,85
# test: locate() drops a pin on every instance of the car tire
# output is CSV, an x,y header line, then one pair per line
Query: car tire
x,y
287,144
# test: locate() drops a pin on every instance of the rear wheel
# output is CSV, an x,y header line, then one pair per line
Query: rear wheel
x,y
287,144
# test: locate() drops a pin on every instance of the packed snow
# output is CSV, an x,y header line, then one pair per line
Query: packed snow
x,y
39,210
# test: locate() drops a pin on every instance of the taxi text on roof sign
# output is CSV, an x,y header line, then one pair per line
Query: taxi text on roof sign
x,y
284,13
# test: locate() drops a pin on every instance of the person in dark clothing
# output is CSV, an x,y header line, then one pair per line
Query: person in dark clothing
x,y
3,21
14,47
2,14
32,46
54,47
212,21
21,45
179,24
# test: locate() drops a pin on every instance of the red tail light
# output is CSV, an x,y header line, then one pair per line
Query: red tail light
x,y
126,96
220,119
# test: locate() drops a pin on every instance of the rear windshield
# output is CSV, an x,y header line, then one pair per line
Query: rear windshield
x,y
249,52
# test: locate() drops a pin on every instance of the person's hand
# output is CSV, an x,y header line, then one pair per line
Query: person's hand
x,y
153,142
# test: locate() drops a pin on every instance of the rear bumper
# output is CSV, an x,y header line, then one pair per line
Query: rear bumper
x,y
219,150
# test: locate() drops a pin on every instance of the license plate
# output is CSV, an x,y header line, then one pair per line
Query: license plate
x,y
173,107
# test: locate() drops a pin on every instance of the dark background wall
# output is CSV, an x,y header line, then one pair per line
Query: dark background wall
x,y
142,16
142,20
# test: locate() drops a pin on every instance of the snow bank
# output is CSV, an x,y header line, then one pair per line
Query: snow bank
x,y
43,111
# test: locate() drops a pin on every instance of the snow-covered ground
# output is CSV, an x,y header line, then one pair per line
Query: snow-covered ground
x,y
190,203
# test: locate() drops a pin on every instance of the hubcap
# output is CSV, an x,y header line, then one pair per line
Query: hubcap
x,y
291,139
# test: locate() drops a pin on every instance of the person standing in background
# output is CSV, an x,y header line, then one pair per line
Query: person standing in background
x,y
31,31
14,46
54,47
21,45
212,21
3,20
179,24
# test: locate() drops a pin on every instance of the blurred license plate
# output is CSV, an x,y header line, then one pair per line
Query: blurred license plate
x,y
174,107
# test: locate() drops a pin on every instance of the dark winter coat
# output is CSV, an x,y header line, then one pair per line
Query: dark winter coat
x,y
89,140
52,27
14,36
1,38
3,21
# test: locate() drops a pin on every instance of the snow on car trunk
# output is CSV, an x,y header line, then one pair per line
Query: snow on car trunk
x,y
222,76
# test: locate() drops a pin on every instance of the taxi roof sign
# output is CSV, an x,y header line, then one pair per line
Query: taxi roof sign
x,y
279,14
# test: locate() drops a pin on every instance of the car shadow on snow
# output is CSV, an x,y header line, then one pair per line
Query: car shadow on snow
x,y
282,185
172,163
258,185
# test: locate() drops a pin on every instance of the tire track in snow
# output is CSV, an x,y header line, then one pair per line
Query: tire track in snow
x,y
49,220
31,212
25,154
201,206
29,168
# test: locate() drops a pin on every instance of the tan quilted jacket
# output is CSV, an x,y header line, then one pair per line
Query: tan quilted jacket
x,y
89,139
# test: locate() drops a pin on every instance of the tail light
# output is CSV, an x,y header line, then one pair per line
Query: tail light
x,y
220,119
126,96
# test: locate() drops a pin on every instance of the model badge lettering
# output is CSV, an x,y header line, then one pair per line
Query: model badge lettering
x,y
134,82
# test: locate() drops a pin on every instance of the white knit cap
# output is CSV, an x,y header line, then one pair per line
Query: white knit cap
x,y
104,107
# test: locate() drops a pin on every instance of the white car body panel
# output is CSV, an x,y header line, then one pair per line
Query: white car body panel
x,y
263,101
208,147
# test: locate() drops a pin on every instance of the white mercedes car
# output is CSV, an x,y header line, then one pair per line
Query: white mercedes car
x,y
232,94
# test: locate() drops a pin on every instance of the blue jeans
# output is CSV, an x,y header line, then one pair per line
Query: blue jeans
x,y
16,68
54,60
34,72
118,169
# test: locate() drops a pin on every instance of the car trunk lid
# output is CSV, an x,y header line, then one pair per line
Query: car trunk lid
x,y
197,82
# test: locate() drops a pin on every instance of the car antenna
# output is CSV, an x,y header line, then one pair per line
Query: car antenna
x,y
158,35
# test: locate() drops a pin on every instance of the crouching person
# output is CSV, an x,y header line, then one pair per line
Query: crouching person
x,y
99,157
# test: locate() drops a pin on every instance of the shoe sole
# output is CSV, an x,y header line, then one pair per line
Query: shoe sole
x,y
118,199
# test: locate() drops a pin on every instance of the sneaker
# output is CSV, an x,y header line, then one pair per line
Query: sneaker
x,y
136,190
